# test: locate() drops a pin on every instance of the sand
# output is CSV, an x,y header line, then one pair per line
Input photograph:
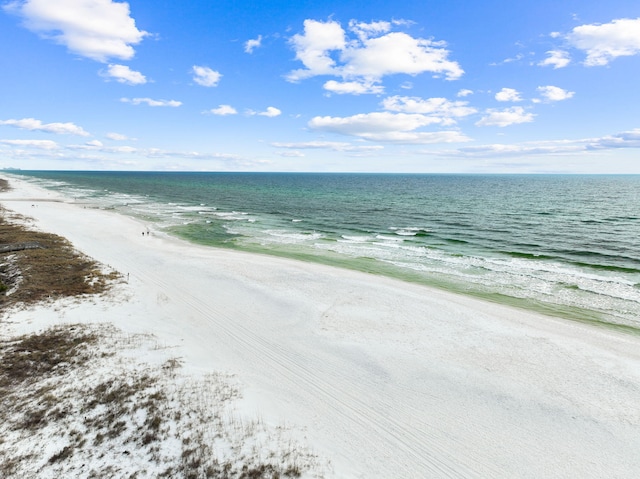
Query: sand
x,y
386,379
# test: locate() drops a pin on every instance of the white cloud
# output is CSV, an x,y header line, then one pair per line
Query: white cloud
x,y
96,29
39,144
352,87
554,93
625,139
386,126
523,149
116,136
556,59
271,111
123,74
205,76
508,94
397,52
96,143
223,110
251,45
125,149
373,53
291,154
367,123
517,58
313,47
36,125
506,117
151,102
605,42
438,107
328,145
464,92
422,137
367,30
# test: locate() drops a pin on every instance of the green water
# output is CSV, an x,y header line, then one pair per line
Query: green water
x,y
563,245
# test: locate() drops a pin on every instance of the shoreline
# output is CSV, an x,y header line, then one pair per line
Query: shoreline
x,y
387,378
562,298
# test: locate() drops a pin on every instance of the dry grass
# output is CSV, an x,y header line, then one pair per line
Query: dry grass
x,y
76,400
109,414
52,271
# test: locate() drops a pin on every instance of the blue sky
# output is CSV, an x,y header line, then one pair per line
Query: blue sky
x,y
495,86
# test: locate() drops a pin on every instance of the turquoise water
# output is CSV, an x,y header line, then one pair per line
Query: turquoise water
x,y
565,245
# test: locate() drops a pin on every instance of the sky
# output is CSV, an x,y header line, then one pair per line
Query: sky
x,y
429,86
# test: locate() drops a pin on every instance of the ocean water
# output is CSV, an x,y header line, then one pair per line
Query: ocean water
x,y
564,245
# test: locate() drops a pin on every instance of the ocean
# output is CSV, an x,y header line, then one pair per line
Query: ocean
x,y
564,245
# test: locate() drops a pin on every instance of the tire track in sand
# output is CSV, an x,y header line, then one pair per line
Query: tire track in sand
x,y
421,448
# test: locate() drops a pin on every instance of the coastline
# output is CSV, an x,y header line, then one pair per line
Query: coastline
x,y
388,379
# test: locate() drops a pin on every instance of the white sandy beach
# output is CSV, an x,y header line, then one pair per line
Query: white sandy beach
x,y
386,379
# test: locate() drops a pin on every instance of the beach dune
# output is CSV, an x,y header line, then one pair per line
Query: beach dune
x,y
386,379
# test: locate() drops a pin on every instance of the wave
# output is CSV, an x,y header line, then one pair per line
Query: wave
x,y
454,241
605,267
393,239
355,239
535,256
410,231
622,218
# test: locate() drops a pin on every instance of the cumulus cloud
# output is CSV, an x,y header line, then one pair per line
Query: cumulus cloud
x,y
116,136
556,59
554,93
151,102
397,52
271,111
386,126
223,110
464,92
352,87
205,76
36,125
506,117
440,108
39,144
96,29
314,46
403,121
123,74
364,57
366,124
251,45
508,94
604,42
366,30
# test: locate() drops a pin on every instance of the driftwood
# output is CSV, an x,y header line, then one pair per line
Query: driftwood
x,y
7,248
